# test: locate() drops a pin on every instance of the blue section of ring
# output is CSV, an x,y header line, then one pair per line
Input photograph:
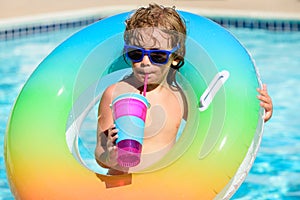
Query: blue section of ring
x,y
251,23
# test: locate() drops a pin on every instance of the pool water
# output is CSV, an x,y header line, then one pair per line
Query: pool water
x,y
276,171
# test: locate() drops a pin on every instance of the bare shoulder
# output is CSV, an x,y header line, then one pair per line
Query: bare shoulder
x,y
113,91
108,93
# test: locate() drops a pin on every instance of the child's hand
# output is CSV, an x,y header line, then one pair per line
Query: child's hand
x,y
111,147
265,102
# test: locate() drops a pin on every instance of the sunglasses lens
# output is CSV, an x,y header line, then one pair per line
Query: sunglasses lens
x,y
135,54
159,57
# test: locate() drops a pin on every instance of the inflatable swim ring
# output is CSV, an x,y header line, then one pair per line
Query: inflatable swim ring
x,y
211,158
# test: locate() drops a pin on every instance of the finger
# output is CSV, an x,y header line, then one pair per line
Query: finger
x,y
264,99
112,151
258,90
266,106
113,126
268,115
112,136
264,87
114,139
112,143
263,92
112,132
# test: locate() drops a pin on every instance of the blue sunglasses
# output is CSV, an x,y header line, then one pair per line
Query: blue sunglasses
x,y
156,56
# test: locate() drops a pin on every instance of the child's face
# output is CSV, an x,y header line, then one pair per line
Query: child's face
x,y
152,39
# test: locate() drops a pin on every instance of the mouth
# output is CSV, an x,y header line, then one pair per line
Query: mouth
x,y
143,73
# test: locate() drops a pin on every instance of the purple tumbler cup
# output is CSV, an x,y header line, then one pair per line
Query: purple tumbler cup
x,y
129,113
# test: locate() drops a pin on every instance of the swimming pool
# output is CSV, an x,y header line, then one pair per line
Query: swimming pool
x,y
276,171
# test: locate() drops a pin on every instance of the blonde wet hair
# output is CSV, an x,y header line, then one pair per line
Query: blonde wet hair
x,y
165,19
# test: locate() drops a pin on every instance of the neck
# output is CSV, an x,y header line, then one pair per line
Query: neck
x,y
150,87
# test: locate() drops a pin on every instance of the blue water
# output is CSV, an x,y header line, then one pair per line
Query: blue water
x,y
276,171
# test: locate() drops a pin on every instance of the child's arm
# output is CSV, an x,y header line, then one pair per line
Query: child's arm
x,y
106,150
266,102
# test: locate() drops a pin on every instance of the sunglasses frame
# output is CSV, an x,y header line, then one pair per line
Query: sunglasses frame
x,y
148,53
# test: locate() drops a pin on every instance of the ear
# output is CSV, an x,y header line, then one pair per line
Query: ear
x,y
175,62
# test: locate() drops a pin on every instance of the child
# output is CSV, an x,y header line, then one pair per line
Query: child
x,y
155,43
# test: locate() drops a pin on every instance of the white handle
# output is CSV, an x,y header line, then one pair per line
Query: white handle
x,y
212,89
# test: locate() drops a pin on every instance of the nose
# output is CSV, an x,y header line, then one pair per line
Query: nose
x,y
146,60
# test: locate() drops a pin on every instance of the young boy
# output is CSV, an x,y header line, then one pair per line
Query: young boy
x,y
155,43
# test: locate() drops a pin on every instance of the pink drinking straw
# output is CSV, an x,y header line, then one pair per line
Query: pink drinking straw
x,y
145,85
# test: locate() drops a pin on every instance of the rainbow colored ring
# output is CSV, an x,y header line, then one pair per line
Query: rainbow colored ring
x,y
211,158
